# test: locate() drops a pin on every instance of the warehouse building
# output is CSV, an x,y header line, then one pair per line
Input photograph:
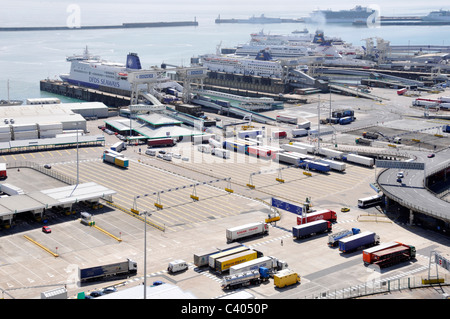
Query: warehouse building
x,y
46,125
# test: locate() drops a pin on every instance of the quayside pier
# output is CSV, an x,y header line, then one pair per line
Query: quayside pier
x,y
85,94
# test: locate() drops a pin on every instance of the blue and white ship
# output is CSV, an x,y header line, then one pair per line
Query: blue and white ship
x,y
91,71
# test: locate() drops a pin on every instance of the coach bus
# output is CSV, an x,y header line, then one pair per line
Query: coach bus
x,y
370,201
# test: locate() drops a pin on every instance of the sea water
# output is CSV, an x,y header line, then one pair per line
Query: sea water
x,y
26,57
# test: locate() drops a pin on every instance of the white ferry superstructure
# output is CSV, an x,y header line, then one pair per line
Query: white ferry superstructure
x,y
243,65
276,51
300,45
272,38
93,72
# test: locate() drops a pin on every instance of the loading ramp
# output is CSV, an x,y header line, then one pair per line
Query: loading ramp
x,y
338,88
236,110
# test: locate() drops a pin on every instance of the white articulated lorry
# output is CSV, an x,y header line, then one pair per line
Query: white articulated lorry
x,y
247,230
268,262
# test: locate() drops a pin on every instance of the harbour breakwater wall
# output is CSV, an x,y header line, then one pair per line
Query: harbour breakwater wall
x,y
96,27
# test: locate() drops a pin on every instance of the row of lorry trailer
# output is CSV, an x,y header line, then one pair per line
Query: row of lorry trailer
x,y
341,117
246,267
294,153
382,255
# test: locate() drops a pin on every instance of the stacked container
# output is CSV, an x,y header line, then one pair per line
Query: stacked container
x,y
50,130
25,131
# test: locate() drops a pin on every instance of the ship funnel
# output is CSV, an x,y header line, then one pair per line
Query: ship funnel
x,y
320,39
133,61
263,55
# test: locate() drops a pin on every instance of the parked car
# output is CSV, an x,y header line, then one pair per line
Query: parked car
x,y
96,293
109,290
48,166
430,155
46,229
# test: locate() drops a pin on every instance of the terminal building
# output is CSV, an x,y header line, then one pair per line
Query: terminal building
x,y
151,126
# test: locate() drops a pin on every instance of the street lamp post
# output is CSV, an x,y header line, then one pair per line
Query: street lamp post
x,y
145,253
78,162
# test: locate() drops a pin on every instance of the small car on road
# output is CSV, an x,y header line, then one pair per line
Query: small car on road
x,y
46,229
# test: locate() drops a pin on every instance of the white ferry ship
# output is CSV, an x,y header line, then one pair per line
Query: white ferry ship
x,y
93,72
294,38
276,51
299,46
261,65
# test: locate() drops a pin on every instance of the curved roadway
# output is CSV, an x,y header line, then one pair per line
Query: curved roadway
x,y
411,192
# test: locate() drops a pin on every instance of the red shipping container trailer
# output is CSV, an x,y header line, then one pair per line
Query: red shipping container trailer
x,y
368,254
279,134
391,256
259,151
325,214
161,142
402,91
3,170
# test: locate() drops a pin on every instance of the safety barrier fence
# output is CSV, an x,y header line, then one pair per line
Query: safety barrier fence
x,y
40,168
41,246
375,287
129,212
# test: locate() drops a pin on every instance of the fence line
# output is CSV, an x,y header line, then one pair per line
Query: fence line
x,y
378,287
40,168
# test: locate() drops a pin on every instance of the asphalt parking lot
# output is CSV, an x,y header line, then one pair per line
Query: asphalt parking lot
x,y
193,226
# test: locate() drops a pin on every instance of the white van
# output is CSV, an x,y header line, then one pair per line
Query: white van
x,y
167,157
204,148
177,265
150,152
220,152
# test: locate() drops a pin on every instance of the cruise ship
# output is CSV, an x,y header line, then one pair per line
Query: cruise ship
x,y
91,71
342,16
438,16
